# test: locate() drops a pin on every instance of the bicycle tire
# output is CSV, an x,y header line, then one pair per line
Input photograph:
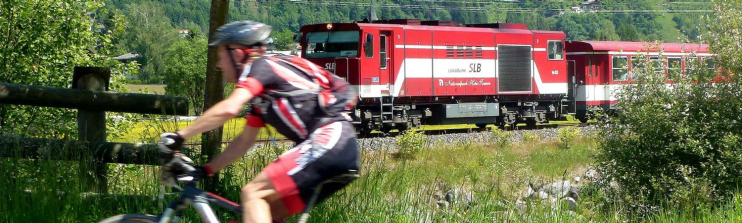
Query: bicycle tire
x,y
131,218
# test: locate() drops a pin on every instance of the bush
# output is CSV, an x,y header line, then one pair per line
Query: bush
x,y
566,135
409,143
499,137
667,144
529,137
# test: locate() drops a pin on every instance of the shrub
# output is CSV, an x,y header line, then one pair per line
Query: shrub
x,y
409,143
566,135
665,144
499,137
529,137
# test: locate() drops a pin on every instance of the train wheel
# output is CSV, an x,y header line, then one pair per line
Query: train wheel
x,y
386,129
513,126
365,128
402,127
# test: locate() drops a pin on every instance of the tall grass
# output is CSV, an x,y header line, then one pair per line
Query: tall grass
x,y
390,189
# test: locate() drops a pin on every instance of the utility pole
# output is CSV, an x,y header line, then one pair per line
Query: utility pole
x,y
372,15
211,141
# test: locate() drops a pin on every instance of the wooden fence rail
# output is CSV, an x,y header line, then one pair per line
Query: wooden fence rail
x,y
71,150
91,100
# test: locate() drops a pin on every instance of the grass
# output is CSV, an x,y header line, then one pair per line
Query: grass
x,y
149,88
389,190
149,130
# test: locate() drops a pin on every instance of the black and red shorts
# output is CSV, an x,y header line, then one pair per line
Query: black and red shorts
x,y
297,172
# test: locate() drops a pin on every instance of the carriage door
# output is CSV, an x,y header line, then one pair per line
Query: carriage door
x,y
385,64
571,87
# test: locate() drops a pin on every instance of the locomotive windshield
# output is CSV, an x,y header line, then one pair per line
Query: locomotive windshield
x,y
332,44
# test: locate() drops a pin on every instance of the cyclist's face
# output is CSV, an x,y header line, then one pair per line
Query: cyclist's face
x,y
226,65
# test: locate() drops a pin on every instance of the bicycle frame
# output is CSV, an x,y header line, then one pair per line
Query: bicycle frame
x,y
190,195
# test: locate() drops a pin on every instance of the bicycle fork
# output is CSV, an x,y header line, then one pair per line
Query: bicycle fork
x,y
174,212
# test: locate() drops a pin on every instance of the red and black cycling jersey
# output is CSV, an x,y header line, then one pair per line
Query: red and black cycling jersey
x,y
295,96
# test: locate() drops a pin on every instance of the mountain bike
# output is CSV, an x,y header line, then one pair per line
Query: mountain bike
x,y
179,169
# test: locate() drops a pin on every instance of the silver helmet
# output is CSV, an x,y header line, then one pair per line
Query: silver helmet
x,y
248,33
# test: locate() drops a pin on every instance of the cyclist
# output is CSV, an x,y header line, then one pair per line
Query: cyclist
x,y
304,103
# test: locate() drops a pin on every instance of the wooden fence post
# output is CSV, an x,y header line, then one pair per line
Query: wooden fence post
x,y
91,127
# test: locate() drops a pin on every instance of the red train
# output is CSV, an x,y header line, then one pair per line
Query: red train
x,y
410,72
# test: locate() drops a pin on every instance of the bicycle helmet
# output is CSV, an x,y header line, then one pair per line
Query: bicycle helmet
x,y
248,33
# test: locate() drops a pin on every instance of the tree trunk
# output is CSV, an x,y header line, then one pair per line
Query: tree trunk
x,y
211,141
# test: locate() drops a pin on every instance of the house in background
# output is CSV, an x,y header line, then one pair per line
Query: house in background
x,y
125,59
590,6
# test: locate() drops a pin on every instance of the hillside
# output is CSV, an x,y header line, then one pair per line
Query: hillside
x,y
153,25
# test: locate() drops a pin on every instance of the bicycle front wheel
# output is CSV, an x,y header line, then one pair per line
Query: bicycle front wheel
x,y
131,218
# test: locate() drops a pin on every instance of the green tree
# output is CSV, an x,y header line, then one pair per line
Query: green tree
x,y
628,32
149,34
681,145
42,42
185,71
284,39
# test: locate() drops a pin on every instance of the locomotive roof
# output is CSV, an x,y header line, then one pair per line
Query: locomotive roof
x,y
351,26
587,46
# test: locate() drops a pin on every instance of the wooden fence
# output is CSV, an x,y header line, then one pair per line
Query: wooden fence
x,y
88,95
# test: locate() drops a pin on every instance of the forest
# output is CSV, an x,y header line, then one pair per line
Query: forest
x,y
152,26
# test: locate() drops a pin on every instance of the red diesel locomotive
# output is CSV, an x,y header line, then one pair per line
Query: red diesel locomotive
x,y
409,72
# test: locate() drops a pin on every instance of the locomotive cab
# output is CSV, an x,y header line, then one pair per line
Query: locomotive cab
x,y
324,45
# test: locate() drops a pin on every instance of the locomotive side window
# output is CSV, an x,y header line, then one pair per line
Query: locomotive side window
x,y
620,68
556,50
332,44
674,68
382,52
368,46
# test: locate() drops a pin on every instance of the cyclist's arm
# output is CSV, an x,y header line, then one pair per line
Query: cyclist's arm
x,y
236,149
219,114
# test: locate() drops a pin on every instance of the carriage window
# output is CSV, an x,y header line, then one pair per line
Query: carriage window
x,y
674,68
368,46
478,51
710,64
636,67
382,51
459,51
620,68
556,50
657,65
449,51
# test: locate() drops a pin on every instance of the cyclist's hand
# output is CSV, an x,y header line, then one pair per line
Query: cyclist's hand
x,y
170,141
201,172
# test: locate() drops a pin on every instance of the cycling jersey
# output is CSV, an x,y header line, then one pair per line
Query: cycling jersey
x,y
295,96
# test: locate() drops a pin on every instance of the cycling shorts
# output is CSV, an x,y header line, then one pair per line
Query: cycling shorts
x,y
297,172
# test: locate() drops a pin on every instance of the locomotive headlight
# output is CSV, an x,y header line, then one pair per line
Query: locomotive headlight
x,y
329,26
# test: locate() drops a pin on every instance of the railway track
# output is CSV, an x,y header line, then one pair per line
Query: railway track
x,y
473,130
425,131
